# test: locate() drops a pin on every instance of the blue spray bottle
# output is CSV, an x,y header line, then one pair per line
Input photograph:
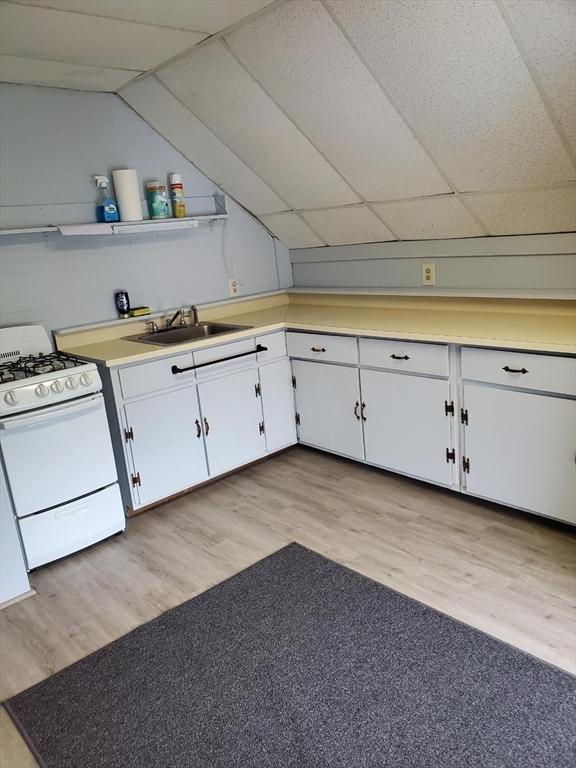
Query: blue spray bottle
x,y
106,208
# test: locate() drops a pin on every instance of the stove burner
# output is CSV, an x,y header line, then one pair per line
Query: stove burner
x,y
35,365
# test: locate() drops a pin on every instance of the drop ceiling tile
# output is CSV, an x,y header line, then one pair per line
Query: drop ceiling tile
x,y
201,15
292,230
454,70
217,89
152,101
60,75
430,218
303,60
352,224
548,33
527,212
41,33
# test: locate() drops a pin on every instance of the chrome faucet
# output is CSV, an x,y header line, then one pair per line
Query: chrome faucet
x,y
171,320
194,313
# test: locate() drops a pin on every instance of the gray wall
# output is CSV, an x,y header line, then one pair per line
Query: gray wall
x,y
52,142
520,265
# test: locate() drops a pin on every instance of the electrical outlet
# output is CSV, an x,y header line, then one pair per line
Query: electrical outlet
x,y
233,286
429,273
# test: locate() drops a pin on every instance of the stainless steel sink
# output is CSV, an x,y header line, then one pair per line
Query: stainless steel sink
x,y
182,334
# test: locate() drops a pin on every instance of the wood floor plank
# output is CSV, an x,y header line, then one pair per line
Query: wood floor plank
x,y
507,573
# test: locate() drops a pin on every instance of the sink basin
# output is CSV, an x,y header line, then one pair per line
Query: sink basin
x,y
182,334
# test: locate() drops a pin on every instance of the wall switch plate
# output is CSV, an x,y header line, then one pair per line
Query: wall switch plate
x,y
233,286
429,273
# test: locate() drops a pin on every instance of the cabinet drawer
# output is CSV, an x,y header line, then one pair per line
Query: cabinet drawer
x,y
149,377
520,369
405,356
276,343
319,346
214,355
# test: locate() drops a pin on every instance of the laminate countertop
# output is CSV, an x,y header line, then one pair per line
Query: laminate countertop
x,y
526,324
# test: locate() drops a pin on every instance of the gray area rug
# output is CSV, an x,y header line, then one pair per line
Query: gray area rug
x,y
298,662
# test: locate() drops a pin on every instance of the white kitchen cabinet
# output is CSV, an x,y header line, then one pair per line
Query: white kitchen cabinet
x,y
166,444
232,420
328,407
406,426
521,449
278,404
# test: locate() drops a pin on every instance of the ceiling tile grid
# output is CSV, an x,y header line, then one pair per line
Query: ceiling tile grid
x,y
208,16
347,225
152,101
547,31
299,56
429,218
527,211
292,230
452,118
456,74
213,85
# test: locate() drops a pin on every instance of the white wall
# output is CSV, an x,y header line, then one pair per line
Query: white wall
x,y
515,266
52,142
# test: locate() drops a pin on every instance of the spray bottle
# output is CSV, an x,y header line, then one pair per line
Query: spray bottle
x,y
106,208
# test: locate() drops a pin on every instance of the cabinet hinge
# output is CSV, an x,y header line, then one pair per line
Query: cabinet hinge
x,y
464,416
257,389
449,407
450,455
129,434
297,419
294,381
136,480
261,427
466,464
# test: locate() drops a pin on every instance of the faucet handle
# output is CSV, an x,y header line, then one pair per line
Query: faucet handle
x,y
153,328
183,316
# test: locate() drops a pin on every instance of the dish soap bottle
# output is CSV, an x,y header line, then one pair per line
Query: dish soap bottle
x,y
106,209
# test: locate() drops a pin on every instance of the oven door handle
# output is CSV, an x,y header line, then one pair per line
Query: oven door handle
x,y
42,417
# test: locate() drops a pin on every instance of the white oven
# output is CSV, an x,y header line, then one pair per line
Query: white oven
x,y
57,454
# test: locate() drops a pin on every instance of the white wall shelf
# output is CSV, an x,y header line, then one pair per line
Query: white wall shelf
x,y
120,227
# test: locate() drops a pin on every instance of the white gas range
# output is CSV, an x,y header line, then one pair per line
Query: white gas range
x,y
55,447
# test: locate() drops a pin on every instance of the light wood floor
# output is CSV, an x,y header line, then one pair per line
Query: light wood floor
x,y
509,574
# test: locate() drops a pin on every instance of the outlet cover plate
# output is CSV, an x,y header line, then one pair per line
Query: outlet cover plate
x,y
233,286
429,273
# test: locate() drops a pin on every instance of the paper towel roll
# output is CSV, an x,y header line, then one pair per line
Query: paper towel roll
x,y
127,190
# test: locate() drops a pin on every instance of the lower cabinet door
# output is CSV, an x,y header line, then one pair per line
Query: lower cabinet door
x,y
278,404
522,450
328,407
167,446
232,421
406,427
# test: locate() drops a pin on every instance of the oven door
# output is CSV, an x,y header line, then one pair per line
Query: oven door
x,y
57,454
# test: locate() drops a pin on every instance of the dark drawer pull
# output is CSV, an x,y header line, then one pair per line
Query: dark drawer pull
x,y
356,406
206,426
317,349
259,348
198,428
399,357
362,407
514,370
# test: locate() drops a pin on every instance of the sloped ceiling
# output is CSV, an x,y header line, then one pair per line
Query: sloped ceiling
x,y
345,121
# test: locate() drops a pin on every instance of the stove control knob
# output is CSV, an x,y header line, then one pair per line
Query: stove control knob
x,y
85,380
42,390
71,383
57,386
11,397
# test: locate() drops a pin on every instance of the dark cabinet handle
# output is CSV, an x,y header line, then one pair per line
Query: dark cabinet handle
x,y
206,426
356,406
399,357
198,428
362,407
514,370
259,348
317,349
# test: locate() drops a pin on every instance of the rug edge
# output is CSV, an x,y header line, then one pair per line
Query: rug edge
x,y
24,733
